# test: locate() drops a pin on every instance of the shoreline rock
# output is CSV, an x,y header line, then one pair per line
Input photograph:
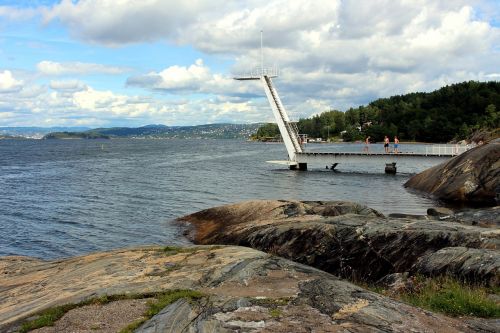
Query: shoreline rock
x,y
247,290
472,177
351,240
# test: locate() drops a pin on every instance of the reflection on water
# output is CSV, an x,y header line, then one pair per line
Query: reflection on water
x,y
66,197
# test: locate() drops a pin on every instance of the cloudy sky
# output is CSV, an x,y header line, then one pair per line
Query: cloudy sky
x,y
131,63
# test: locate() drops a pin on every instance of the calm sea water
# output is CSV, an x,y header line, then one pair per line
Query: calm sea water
x,y
60,198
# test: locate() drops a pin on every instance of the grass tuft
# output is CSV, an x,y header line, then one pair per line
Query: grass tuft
x,y
130,328
47,318
453,298
173,250
272,304
275,313
170,297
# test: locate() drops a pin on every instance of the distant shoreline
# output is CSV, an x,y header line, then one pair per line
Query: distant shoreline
x,y
210,138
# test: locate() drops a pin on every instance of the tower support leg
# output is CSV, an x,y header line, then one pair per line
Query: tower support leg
x,y
302,166
390,168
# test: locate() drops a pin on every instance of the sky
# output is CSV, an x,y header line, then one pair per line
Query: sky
x,y
104,63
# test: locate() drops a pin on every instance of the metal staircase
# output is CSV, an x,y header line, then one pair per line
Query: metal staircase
x,y
288,129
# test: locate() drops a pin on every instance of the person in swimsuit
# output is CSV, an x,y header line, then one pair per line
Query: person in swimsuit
x,y
367,144
396,145
386,144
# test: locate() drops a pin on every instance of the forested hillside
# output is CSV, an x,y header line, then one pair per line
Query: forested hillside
x,y
452,112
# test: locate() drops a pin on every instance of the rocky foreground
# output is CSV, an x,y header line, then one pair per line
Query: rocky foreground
x,y
245,291
357,242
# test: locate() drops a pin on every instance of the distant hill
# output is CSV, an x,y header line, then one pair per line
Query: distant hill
x,y
75,135
35,132
212,131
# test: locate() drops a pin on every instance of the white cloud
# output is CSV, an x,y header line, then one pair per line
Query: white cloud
x,y
6,115
121,22
12,13
8,83
76,68
196,78
178,78
67,85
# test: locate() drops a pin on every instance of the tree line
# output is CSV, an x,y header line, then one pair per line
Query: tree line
x,y
453,112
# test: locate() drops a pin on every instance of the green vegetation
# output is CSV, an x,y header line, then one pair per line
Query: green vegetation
x,y
47,318
130,328
161,300
76,135
275,313
452,112
453,298
173,250
272,304
445,295
170,297
267,132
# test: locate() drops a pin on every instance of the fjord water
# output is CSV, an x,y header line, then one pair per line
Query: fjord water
x,y
60,198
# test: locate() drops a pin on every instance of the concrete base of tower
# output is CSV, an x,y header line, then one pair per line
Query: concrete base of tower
x,y
390,168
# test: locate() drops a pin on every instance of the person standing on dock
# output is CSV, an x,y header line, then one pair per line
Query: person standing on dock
x,y
367,145
396,145
386,144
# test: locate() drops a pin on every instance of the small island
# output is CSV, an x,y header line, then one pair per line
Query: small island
x,y
75,135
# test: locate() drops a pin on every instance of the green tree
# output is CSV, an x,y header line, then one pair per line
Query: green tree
x,y
267,131
492,116
352,134
463,132
352,117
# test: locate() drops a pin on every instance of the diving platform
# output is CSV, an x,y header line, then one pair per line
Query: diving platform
x,y
331,160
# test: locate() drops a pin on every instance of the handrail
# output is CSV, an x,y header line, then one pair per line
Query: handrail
x,y
258,72
291,133
446,150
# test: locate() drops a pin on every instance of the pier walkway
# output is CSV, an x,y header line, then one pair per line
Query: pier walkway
x,y
332,159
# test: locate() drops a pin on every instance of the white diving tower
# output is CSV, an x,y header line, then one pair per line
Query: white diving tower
x,y
288,129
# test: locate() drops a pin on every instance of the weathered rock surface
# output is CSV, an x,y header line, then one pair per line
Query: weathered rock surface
x,y
247,291
485,217
356,242
439,212
473,264
473,177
